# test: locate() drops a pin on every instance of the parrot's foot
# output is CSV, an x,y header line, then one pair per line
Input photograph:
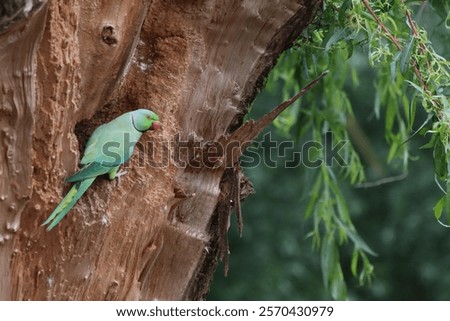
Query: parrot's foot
x,y
119,175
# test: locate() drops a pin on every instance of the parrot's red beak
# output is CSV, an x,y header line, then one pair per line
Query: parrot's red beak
x,y
156,125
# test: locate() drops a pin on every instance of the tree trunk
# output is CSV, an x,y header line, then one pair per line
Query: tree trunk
x,y
157,232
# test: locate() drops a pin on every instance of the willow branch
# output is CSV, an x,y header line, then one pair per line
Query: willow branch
x,y
395,41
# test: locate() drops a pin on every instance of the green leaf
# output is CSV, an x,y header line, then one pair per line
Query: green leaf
x,y
338,289
393,65
377,105
405,56
331,269
412,110
367,270
439,207
420,128
340,201
338,35
447,21
391,112
329,257
354,264
440,161
431,143
419,89
358,241
314,196
392,150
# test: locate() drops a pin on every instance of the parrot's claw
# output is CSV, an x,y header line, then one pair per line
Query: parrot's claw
x,y
119,175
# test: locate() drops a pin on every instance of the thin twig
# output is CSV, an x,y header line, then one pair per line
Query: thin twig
x,y
389,35
382,26
384,180
415,32
422,51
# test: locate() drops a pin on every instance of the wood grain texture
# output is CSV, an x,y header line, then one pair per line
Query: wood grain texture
x,y
17,108
156,233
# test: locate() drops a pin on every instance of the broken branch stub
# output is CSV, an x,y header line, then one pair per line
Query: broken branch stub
x,y
248,132
233,179
218,154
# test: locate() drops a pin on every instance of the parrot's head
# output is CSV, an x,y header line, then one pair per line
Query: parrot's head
x,y
144,119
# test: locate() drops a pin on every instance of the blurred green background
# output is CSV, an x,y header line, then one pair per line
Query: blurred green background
x,y
274,259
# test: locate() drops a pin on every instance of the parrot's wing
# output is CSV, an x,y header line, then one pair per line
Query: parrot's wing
x,y
91,150
112,142
91,170
68,202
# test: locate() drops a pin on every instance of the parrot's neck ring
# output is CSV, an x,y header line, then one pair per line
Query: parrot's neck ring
x,y
132,121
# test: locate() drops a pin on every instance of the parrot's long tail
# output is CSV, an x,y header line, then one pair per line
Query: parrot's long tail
x,y
68,202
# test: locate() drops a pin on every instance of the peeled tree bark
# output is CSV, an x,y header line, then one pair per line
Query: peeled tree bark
x,y
67,67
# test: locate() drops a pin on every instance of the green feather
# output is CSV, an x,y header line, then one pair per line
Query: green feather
x,y
89,171
68,202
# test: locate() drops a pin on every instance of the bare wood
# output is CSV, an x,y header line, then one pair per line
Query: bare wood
x,y
155,234
17,108
248,132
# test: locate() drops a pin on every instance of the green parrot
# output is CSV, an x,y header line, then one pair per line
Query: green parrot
x,y
110,146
